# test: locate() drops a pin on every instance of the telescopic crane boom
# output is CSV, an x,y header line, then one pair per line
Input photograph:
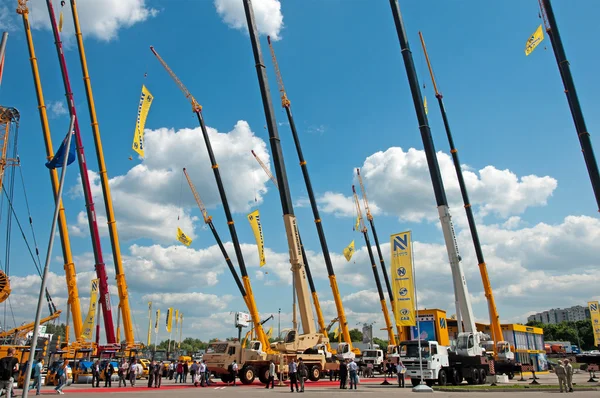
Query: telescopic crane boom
x,y
311,283
494,317
69,266
197,109
384,307
87,192
381,260
572,98
286,104
310,336
108,204
463,300
208,221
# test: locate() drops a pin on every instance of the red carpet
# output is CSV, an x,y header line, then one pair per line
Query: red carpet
x,y
80,388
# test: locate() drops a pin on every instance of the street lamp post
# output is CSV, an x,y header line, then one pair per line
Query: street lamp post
x,y
279,324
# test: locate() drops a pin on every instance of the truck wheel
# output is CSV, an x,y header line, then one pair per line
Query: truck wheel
x,y
511,375
476,378
482,376
442,379
415,382
225,378
454,377
247,375
263,374
315,373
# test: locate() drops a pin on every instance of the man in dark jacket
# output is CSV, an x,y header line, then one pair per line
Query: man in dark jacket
x,y
158,368
151,374
343,374
108,372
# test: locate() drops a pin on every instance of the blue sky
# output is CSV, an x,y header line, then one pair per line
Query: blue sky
x,y
344,74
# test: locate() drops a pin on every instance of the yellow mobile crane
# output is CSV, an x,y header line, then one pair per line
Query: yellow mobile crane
x,y
344,350
69,266
311,283
384,308
391,350
124,307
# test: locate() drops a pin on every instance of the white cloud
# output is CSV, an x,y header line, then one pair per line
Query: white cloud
x,y
7,19
398,182
267,14
343,206
57,109
99,19
148,199
194,303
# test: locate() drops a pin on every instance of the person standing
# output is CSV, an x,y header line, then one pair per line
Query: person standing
x,y
9,365
206,374
401,370
271,380
108,372
96,374
560,372
302,373
343,374
122,372
293,372
569,375
352,368
151,374
158,367
133,370
194,373
186,369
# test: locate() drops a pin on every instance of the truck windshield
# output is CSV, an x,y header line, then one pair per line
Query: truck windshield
x,y
218,348
412,350
369,353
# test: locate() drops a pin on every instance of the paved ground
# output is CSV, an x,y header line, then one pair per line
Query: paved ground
x,y
371,387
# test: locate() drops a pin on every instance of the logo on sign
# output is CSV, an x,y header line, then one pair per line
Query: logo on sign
x,y
400,243
403,291
401,271
404,311
593,307
443,323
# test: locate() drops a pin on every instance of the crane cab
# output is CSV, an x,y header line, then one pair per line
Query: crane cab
x,y
503,351
344,352
469,344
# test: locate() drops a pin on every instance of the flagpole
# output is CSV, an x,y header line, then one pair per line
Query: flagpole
x,y
38,313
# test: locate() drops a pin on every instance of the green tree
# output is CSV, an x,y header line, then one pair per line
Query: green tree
x,y
579,333
381,343
356,335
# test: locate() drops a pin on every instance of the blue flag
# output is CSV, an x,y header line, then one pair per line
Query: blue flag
x,y
59,158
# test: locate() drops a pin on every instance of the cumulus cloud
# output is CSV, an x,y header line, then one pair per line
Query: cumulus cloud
x,y
99,19
202,304
57,109
343,206
396,173
148,200
267,14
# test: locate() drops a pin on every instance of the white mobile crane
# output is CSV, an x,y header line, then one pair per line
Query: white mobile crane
x,y
439,363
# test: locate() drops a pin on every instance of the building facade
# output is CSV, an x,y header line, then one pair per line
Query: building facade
x,y
558,315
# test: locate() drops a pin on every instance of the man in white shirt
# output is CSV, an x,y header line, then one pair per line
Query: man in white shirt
x,y
293,371
271,380
352,368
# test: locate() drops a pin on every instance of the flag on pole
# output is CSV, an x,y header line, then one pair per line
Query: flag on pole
x,y
59,157
425,105
156,322
402,279
533,41
349,251
143,109
88,324
254,219
169,319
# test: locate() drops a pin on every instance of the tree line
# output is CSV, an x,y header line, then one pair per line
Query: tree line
x,y
578,333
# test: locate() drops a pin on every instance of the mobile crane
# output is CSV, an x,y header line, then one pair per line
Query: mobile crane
x,y
502,352
384,308
311,283
391,350
345,349
316,362
89,201
124,307
468,360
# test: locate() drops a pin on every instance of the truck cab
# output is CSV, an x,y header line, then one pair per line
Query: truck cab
x,y
220,354
434,361
344,352
374,358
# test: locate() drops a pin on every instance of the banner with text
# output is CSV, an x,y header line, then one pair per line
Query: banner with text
x,y
169,319
402,277
143,108
88,325
254,219
595,315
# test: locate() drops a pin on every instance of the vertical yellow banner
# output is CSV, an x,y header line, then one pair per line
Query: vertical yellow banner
x,y
402,278
143,108
149,322
595,315
88,325
156,322
254,219
169,319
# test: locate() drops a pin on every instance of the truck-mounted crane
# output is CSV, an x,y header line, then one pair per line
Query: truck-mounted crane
x,y
468,361
345,349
